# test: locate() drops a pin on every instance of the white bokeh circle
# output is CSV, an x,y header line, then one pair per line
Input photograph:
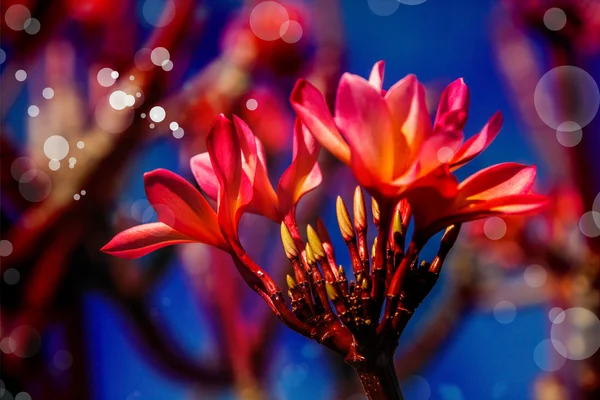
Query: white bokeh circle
x,y
577,329
582,90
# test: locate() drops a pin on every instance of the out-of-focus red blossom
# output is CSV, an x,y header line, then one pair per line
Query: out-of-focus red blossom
x,y
387,137
506,252
270,120
233,172
582,23
284,55
95,11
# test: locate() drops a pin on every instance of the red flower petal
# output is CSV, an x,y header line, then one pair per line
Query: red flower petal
x,y
408,107
364,119
475,145
497,181
310,106
303,174
264,199
180,206
438,148
523,204
453,110
235,189
376,76
204,174
143,239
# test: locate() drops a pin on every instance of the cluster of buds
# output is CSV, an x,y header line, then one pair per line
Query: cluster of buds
x,y
390,273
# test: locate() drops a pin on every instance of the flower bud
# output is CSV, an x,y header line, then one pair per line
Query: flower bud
x,y
310,255
344,220
290,282
360,210
331,291
375,210
315,243
291,251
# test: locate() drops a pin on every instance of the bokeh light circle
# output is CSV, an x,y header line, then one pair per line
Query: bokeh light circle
x,y
578,333
6,248
569,134
556,315
555,19
159,56
56,147
157,114
16,16
38,189
138,208
32,26
20,75
383,8
105,78
444,154
505,312
251,104
11,276
158,13
48,93
583,91
494,228
547,355
110,119
33,111
411,2
22,396
28,341
178,133
54,165
266,20
588,224
291,31
535,276
23,169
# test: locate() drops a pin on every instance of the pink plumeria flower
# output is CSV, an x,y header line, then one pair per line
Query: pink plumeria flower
x,y
387,137
234,173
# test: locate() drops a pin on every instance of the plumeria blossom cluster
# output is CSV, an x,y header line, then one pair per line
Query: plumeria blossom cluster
x,y
402,159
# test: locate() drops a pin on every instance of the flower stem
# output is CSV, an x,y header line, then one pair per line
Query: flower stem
x,y
379,379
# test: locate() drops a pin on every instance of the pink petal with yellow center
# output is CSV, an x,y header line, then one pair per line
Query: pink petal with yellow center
x,y
364,119
408,107
310,106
